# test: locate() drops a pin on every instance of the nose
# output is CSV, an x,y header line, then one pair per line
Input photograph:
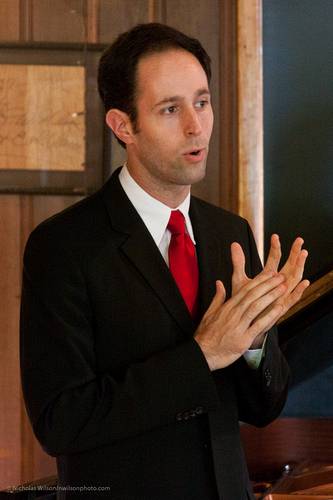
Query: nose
x,y
192,123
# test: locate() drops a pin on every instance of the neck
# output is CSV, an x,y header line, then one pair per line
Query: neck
x,y
171,195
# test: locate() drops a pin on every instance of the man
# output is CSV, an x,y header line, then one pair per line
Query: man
x,y
144,311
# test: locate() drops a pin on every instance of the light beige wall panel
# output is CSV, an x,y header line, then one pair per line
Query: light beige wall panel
x,y
250,117
42,125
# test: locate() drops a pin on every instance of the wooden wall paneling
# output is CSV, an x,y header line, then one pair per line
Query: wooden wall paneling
x,y
9,20
16,120
250,116
60,21
286,441
26,20
44,122
156,11
91,19
201,20
10,453
27,438
120,15
228,106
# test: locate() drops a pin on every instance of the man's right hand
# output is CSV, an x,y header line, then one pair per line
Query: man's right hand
x,y
228,329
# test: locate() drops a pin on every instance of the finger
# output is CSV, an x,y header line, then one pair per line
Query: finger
x,y
301,259
295,295
299,266
255,288
265,321
260,305
274,256
295,250
238,262
218,299
295,274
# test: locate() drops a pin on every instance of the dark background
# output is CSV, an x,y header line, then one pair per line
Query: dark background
x,y
298,156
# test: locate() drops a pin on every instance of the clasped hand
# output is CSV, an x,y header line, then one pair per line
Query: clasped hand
x,y
229,328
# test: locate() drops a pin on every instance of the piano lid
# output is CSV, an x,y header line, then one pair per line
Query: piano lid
x,y
317,301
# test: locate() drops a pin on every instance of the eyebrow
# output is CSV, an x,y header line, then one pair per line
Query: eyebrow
x,y
176,98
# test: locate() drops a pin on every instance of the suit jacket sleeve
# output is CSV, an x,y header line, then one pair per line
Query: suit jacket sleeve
x,y
71,405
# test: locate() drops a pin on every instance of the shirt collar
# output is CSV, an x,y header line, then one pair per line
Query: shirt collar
x,y
154,213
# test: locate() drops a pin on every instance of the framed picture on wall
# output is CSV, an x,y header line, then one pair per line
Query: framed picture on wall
x,y
51,119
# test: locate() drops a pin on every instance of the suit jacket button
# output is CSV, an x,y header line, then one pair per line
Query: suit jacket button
x,y
199,410
268,377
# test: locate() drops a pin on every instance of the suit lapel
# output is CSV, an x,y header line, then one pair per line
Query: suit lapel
x,y
140,249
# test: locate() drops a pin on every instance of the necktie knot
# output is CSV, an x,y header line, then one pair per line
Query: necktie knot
x,y
176,224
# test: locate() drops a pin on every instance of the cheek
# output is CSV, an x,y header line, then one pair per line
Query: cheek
x,y
209,121
162,138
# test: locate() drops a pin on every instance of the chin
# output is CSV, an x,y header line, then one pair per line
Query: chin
x,y
196,174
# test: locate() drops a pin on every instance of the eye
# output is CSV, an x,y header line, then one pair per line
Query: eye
x,y
202,103
169,110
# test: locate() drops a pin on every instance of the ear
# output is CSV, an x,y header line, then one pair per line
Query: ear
x,y
120,124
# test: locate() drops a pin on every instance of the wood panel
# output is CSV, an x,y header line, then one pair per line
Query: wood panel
x,y
42,124
119,15
228,107
9,20
59,21
10,452
312,294
250,116
286,441
91,19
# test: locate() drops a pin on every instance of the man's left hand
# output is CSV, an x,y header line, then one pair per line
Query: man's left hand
x,y
292,271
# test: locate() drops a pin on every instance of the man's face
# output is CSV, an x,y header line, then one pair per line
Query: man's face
x,y
174,123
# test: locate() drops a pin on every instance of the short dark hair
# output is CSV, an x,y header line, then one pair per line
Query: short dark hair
x,y
118,64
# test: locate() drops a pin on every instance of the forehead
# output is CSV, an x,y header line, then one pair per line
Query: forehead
x,y
171,72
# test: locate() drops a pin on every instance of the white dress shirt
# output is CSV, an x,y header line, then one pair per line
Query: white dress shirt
x,y
155,216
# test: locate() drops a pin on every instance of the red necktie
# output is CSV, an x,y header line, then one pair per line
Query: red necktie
x,y
183,260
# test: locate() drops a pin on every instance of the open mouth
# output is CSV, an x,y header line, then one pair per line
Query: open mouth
x,y
194,152
195,155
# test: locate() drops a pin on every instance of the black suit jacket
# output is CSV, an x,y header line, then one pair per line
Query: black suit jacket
x,y
115,385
